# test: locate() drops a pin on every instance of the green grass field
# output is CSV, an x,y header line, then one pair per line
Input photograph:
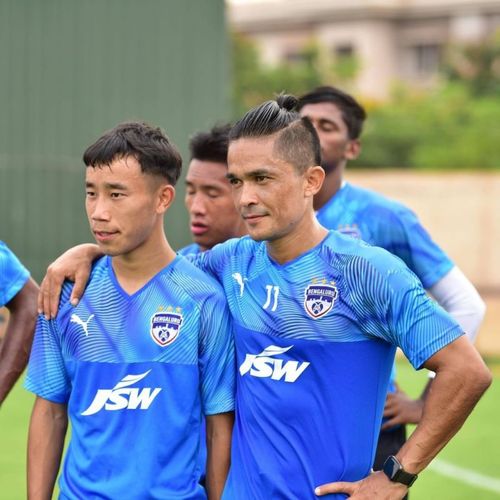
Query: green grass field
x,y
468,469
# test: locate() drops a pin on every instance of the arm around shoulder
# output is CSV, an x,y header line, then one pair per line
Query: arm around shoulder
x,y
75,265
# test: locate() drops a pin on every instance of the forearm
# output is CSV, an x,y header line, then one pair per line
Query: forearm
x,y
449,400
219,431
16,346
45,446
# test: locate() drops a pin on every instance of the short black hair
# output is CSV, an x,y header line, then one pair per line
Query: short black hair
x,y
297,142
211,145
352,112
147,144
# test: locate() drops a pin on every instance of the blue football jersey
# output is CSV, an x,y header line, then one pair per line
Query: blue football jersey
x,y
13,275
315,342
190,249
388,224
137,372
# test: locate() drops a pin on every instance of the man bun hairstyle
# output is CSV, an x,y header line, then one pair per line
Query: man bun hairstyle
x,y
352,112
149,145
297,141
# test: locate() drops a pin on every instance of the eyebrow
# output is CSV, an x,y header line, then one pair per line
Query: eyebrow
x,y
253,173
109,185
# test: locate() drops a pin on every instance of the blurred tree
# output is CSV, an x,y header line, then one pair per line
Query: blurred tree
x,y
254,82
477,65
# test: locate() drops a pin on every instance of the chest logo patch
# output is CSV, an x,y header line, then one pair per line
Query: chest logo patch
x,y
320,298
165,327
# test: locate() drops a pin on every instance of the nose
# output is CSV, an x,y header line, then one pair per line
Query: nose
x,y
197,204
99,209
246,195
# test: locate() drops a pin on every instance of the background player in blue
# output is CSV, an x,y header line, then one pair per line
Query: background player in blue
x,y
212,215
18,292
317,318
145,352
338,119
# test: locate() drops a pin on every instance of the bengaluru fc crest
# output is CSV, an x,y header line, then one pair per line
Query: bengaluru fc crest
x,y
165,327
319,298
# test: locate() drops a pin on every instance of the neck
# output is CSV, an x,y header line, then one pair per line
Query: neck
x,y
134,269
331,184
305,236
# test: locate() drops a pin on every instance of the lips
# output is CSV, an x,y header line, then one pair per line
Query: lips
x,y
198,229
103,236
253,219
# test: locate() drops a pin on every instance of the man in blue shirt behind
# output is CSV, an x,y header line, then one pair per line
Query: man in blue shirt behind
x,y
148,349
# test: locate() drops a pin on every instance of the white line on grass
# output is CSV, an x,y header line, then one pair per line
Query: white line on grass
x,y
465,475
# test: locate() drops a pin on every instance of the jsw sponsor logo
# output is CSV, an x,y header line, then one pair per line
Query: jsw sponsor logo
x,y
123,397
264,365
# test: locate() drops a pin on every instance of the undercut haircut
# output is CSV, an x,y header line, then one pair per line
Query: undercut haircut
x,y
211,145
353,113
147,144
297,141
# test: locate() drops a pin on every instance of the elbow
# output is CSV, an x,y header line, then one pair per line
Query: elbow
x,y
481,378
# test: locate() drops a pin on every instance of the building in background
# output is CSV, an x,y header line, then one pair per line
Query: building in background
x,y
391,40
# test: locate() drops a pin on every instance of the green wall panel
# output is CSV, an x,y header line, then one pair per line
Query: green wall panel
x,y
71,69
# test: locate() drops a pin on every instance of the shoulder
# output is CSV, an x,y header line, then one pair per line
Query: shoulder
x,y
243,249
12,273
360,262
98,275
193,282
376,203
191,249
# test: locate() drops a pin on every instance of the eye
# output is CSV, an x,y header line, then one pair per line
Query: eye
x,y
235,182
327,127
213,194
89,194
116,195
260,179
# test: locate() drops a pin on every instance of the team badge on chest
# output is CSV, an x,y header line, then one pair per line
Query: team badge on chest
x,y
166,326
320,298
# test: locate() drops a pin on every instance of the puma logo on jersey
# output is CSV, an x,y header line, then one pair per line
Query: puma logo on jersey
x,y
84,324
123,397
265,365
240,280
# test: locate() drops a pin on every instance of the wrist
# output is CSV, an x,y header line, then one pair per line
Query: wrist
x,y
396,472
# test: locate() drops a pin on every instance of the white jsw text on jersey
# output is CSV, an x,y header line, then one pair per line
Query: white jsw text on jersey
x,y
122,397
265,365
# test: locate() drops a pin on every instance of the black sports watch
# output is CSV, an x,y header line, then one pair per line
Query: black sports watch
x,y
395,472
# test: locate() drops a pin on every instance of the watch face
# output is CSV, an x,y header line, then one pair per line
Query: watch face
x,y
391,467
394,467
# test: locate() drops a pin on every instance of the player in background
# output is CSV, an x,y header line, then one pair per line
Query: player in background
x,y
18,292
361,213
213,217
146,351
317,318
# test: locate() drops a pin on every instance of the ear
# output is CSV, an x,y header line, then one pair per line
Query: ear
x,y
165,197
353,149
313,178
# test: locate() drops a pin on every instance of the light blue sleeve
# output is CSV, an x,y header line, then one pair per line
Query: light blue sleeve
x,y
47,376
416,323
217,356
13,275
